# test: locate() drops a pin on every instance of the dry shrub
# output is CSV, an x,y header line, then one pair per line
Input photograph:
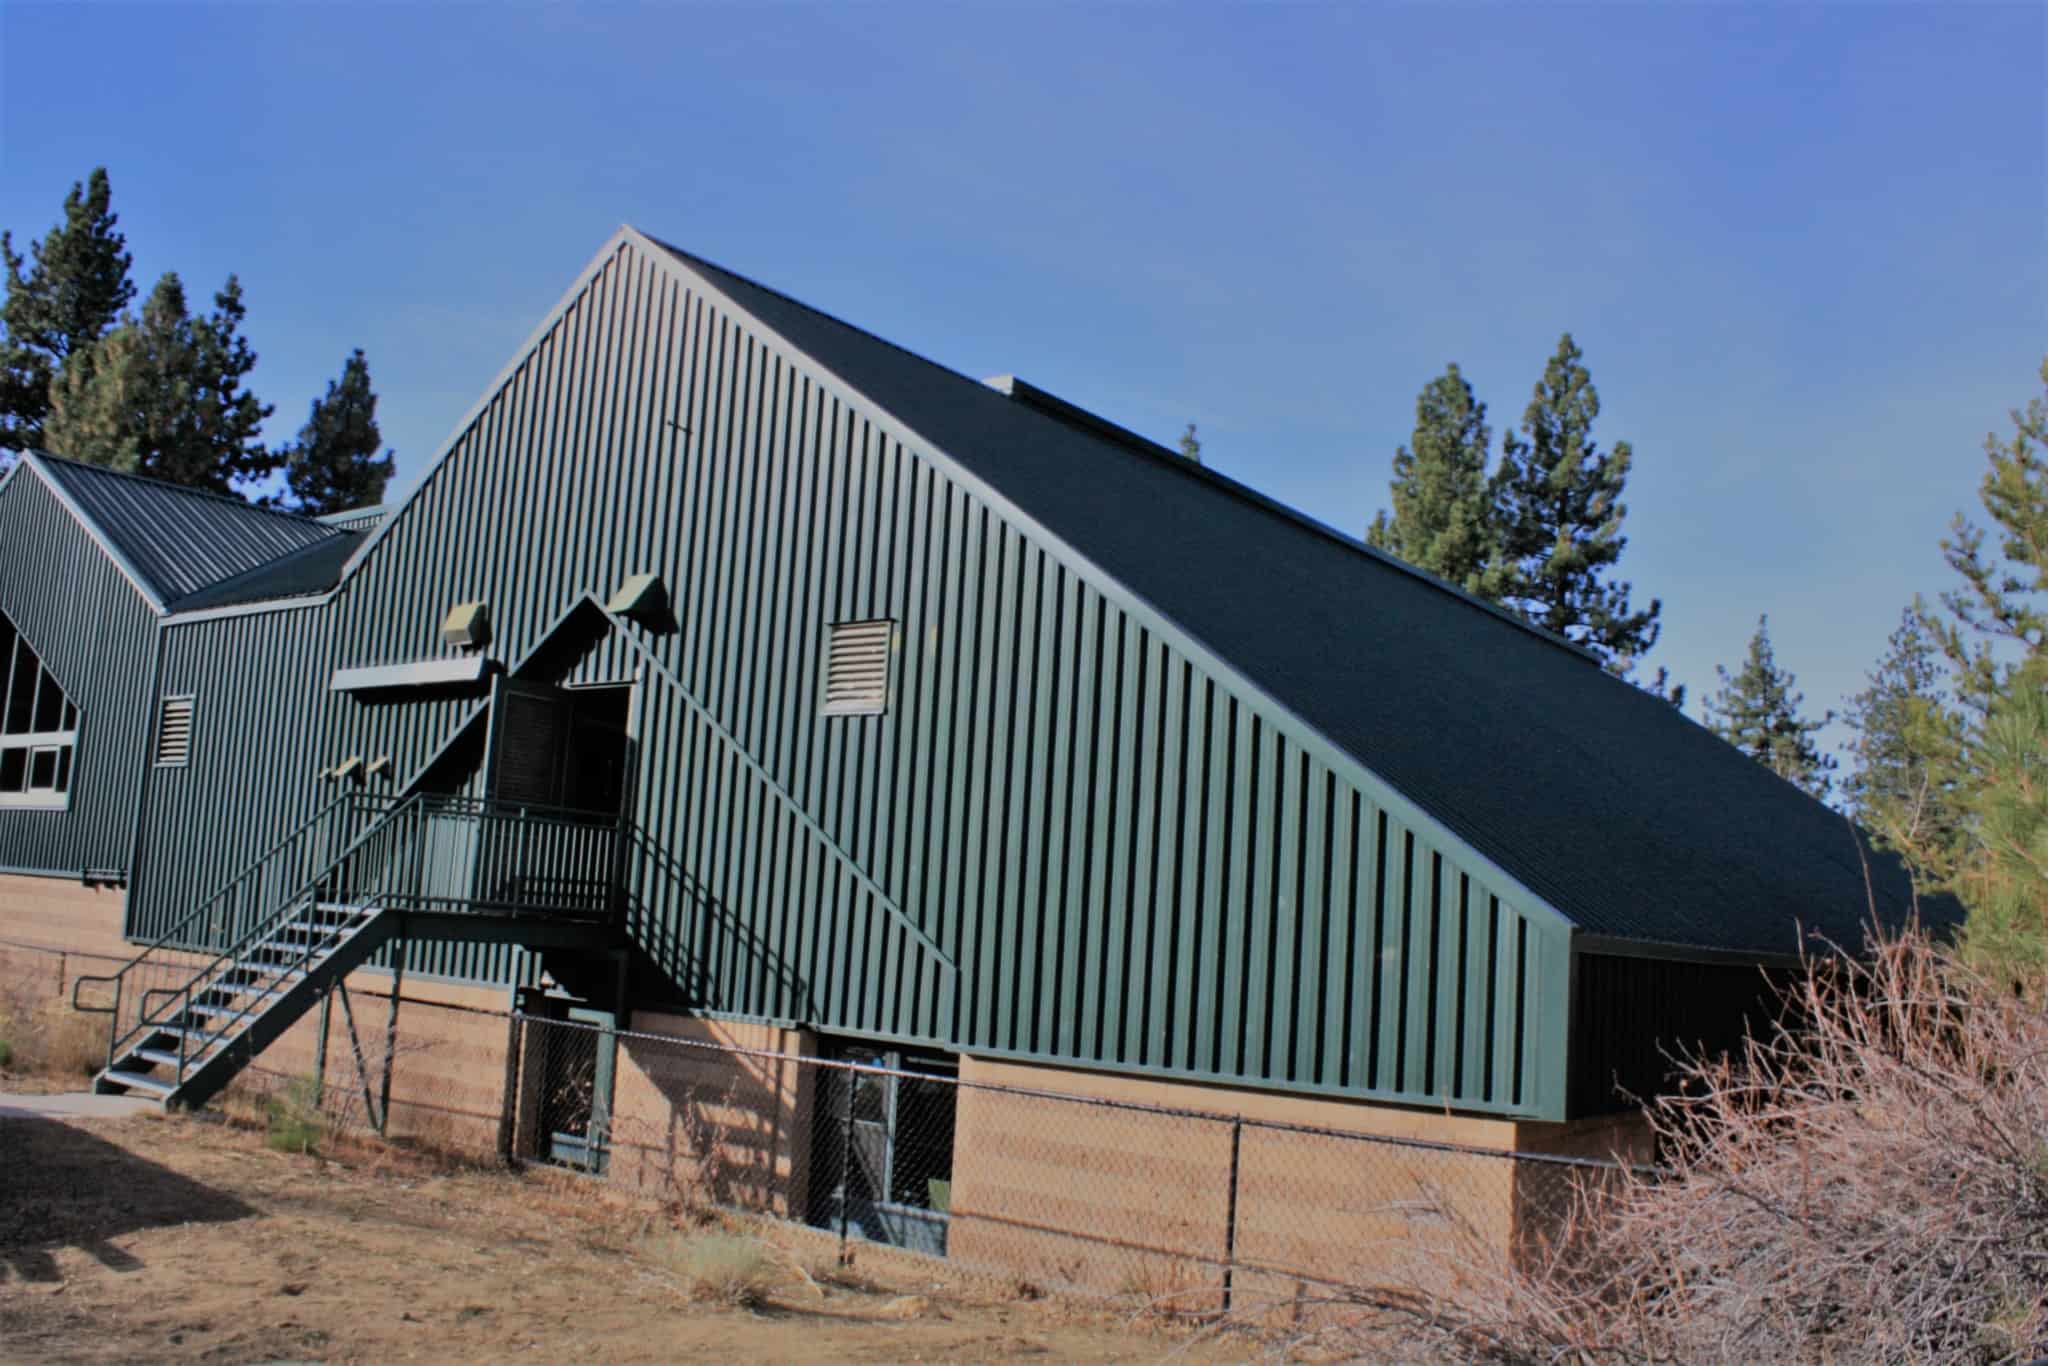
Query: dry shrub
x,y
345,1100
720,1268
1171,1289
41,1033
692,1160
292,1117
1868,1183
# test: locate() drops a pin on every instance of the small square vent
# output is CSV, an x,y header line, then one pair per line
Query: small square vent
x,y
857,668
174,733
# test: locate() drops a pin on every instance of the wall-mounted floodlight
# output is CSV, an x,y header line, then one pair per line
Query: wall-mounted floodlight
x,y
467,626
378,767
642,598
349,769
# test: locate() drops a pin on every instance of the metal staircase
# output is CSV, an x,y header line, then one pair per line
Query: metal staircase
x,y
203,1033
187,1017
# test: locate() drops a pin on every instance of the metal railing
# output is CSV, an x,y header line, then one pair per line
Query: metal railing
x,y
247,901
425,852
491,856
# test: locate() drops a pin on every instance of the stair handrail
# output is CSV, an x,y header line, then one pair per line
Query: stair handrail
x,y
174,937
118,978
276,985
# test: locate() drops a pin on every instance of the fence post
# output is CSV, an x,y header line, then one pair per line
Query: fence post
x,y
320,1047
391,1030
1230,1219
355,1043
514,1044
852,1079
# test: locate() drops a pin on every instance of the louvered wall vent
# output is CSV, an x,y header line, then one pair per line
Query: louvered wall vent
x,y
857,668
174,733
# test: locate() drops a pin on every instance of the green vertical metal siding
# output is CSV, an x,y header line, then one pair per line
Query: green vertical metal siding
x,y
98,637
1131,858
259,743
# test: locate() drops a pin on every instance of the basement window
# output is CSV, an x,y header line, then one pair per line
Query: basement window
x,y
38,728
882,1145
174,733
857,668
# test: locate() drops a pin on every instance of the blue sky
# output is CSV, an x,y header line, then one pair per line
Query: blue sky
x,y
1805,249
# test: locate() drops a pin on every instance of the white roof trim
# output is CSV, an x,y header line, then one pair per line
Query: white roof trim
x,y
93,529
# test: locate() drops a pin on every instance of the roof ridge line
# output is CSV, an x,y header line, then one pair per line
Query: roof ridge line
x,y
228,498
1144,445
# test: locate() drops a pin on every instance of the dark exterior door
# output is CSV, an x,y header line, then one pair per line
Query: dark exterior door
x,y
531,728
556,778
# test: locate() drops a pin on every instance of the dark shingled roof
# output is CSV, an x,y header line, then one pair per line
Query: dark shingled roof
x,y
1607,802
304,572
180,540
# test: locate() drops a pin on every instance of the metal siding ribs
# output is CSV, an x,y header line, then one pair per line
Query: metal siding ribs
x,y
97,636
1133,862
181,540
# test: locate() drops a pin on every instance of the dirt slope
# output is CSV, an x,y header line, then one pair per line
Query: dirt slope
x,y
176,1239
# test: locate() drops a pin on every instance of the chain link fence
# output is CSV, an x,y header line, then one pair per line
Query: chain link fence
x,y
1191,1211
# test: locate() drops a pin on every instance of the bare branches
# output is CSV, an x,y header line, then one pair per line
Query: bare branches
x,y
1869,1182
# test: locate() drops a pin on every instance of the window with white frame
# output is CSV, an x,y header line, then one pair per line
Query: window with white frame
x,y
38,728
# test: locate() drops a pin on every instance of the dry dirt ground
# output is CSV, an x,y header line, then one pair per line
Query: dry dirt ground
x,y
155,1239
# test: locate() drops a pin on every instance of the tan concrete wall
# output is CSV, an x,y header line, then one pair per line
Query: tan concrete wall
x,y
43,918
1139,1203
447,1071
52,932
709,1128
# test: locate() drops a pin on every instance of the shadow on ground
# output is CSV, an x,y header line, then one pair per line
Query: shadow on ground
x,y
61,1186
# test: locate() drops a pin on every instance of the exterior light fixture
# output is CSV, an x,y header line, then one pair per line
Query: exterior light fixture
x,y
467,626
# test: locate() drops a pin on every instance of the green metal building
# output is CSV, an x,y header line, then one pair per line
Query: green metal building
x,y
731,660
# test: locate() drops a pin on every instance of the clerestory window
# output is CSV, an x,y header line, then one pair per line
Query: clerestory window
x,y
38,728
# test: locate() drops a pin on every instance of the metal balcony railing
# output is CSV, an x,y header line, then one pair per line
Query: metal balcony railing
x,y
428,853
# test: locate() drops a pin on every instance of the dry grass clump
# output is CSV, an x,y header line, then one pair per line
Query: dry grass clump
x,y
1869,1183
41,1033
728,1269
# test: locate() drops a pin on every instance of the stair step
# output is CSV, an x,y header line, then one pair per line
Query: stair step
x,y
136,1081
164,1057
268,972
297,951
201,1039
226,1012
297,936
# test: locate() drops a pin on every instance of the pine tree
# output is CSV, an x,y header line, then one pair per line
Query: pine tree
x,y
1441,518
2005,883
1996,639
1999,618
74,288
1191,445
1557,514
163,395
1757,711
1904,787
334,465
